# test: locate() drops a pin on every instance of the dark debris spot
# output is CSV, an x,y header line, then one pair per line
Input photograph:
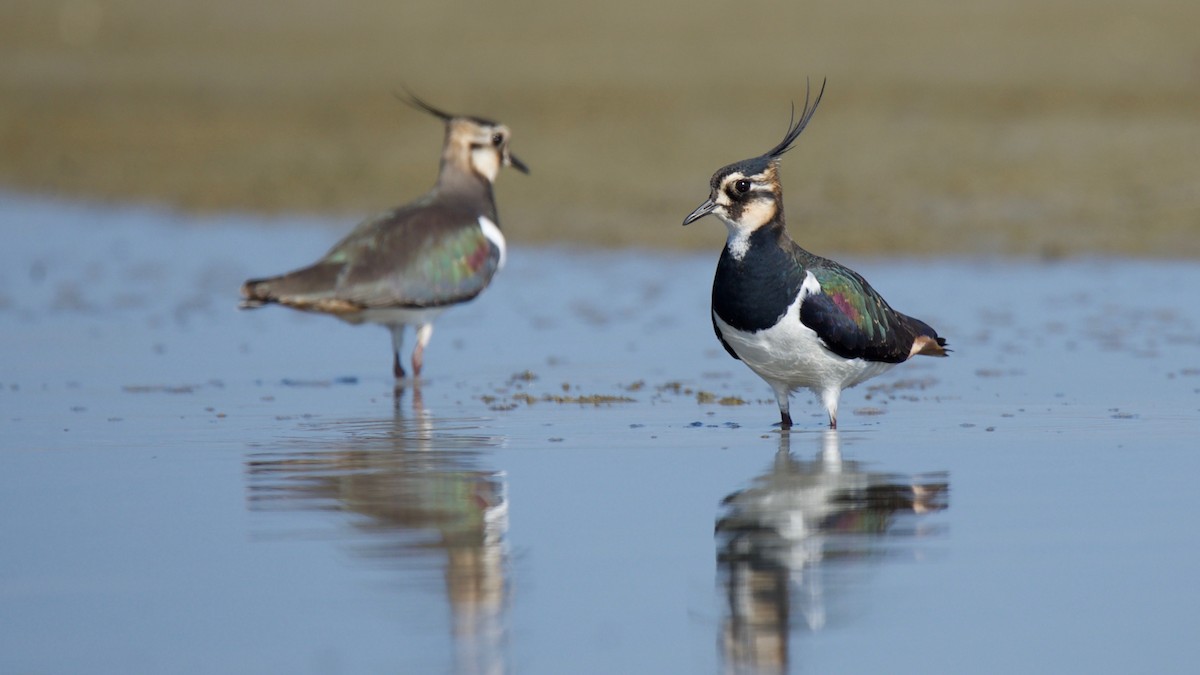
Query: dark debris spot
x,y
158,389
869,411
592,399
345,379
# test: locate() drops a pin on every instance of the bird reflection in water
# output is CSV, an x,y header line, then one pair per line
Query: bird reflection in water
x,y
787,546
420,501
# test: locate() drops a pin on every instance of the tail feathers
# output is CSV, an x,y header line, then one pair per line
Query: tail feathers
x,y
927,342
295,290
929,346
256,293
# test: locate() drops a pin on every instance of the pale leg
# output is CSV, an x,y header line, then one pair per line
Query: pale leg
x,y
418,358
782,395
830,398
397,344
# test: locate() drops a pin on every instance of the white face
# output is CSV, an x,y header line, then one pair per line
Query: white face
x,y
479,147
489,150
485,161
746,203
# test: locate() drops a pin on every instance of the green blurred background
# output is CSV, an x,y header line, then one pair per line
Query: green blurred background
x,y
1028,127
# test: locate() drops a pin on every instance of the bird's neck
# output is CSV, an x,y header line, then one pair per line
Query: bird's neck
x,y
740,240
455,178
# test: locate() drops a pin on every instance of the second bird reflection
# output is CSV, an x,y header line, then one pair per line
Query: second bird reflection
x,y
417,500
787,546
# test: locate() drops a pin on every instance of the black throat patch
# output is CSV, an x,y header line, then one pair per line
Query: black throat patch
x,y
753,293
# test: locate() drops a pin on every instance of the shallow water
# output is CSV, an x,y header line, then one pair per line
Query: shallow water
x,y
586,482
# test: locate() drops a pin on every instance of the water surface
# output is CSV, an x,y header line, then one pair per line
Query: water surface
x,y
586,482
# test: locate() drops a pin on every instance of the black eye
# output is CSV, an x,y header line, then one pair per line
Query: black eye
x,y
497,140
742,185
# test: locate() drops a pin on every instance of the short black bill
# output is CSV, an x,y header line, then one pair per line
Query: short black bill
x,y
517,164
701,211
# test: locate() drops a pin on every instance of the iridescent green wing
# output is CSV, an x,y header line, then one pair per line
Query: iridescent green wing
x,y
852,319
425,257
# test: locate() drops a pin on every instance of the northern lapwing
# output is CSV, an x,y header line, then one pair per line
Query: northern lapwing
x,y
408,265
797,319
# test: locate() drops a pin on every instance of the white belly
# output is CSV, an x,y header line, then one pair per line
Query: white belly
x,y
790,354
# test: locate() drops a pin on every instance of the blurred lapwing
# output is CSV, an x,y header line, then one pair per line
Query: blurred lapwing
x,y
797,319
408,265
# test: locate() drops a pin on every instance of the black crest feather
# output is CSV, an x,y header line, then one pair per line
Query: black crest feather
x,y
412,99
795,129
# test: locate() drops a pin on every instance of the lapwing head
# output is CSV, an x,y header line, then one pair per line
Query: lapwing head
x,y
747,195
473,145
